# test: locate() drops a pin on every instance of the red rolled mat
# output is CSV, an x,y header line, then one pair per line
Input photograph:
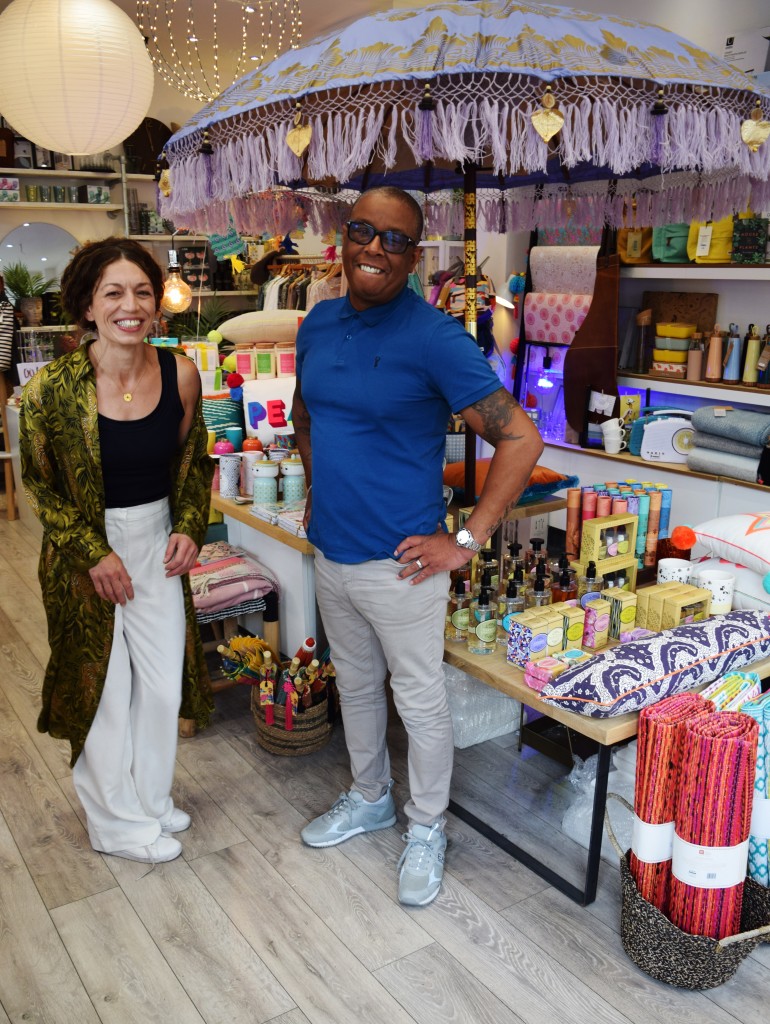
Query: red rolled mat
x,y
713,809
658,760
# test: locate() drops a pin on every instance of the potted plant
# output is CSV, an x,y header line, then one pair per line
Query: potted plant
x,y
28,287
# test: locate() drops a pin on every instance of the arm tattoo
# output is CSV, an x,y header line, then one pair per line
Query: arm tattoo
x,y
495,411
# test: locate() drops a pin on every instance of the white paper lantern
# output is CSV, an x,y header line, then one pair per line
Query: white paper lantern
x,y
75,75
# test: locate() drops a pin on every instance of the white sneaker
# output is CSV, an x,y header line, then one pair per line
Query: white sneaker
x,y
177,821
163,849
421,866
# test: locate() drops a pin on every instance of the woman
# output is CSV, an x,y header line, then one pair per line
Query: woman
x,y
113,454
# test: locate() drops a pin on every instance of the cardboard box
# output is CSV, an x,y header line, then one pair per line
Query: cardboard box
x,y
10,184
597,624
573,619
528,638
655,601
10,195
642,600
93,194
620,563
573,656
622,611
555,632
691,605
608,537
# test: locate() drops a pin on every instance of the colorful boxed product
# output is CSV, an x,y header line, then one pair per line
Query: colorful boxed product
x,y
597,623
607,568
656,597
573,656
691,605
527,639
544,670
555,630
608,537
622,610
10,195
573,618
642,601
637,633
9,184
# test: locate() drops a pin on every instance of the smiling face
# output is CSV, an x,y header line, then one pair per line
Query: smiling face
x,y
375,276
123,304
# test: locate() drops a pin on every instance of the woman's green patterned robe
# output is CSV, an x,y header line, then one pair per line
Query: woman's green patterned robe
x,y
62,475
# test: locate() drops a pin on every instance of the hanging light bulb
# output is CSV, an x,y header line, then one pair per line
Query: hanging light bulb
x,y
544,381
176,292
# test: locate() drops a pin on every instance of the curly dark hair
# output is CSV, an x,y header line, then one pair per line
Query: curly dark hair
x,y
84,271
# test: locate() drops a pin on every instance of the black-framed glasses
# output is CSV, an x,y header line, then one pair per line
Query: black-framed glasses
x,y
395,242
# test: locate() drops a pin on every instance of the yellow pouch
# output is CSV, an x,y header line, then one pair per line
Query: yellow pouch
x,y
634,245
721,240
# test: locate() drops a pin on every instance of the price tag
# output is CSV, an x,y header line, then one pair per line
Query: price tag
x,y
704,240
634,244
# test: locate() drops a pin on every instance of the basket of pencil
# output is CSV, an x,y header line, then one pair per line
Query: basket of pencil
x,y
290,702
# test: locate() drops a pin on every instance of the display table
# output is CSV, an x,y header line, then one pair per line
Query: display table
x,y
288,557
494,670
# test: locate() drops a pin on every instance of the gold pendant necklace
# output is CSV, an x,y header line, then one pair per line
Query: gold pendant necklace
x,y
128,396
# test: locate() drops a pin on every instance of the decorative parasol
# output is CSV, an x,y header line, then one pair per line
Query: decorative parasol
x,y
533,114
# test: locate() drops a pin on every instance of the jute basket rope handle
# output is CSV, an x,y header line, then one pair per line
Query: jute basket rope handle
x,y
722,943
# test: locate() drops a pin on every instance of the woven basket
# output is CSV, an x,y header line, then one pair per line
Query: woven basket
x,y
312,728
670,955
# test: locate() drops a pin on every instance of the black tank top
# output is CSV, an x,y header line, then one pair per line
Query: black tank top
x,y
137,454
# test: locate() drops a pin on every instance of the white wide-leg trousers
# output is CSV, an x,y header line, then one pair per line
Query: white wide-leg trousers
x,y
124,774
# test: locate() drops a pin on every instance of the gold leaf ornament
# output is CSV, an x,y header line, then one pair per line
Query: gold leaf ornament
x,y
547,121
755,131
298,138
164,184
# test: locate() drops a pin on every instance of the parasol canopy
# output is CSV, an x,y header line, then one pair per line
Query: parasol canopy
x,y
564,115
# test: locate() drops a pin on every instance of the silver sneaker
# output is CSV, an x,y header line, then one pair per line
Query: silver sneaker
x,y
349,816
421,866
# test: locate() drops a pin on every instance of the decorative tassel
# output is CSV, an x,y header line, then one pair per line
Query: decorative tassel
x,y
291,703
425,109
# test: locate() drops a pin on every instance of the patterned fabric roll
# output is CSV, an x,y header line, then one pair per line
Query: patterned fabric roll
x,y
759,856
713,817
658,764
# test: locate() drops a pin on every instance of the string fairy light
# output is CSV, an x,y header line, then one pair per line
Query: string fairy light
x,y
173,30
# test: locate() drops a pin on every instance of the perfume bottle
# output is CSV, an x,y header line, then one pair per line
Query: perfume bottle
x,y
511,605
537,596
484,582
588,587
541,570
456,625
535,551
565,588
482,625
512,559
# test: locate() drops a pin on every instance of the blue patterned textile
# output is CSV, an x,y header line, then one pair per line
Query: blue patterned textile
x,y
635,675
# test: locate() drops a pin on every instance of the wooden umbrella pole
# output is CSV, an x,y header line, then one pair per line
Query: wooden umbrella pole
x,y
469,191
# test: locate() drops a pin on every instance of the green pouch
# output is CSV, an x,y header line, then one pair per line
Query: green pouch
x,y
669,243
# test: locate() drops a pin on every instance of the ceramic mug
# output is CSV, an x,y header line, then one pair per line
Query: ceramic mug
x,y
614,424
614,445
721,586
674,570
235,436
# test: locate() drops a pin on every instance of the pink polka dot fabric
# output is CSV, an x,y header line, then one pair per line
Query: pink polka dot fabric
x,y
553,317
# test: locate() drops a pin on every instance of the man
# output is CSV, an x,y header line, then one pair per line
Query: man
x,y
378,373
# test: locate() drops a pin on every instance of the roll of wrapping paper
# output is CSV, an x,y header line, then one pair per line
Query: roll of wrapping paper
x,y
759,848
572,535
658,759
665,510
603,505
641,528
653,522
719,754
619,506
588,504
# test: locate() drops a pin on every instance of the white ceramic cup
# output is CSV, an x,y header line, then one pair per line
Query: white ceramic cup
x,y
613,445
614,424
721,586
674,570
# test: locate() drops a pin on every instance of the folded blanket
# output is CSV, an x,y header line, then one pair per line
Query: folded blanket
x,y
739,424
706,460
726,444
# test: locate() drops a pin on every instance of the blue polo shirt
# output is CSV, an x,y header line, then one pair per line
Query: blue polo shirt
x,y
379,386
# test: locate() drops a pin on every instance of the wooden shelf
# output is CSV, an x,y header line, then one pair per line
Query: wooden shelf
x,y
36,172
61,207
696,272
696,388
231,508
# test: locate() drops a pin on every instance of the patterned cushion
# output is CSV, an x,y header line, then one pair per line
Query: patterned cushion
x,y
221,412
743,538
634,675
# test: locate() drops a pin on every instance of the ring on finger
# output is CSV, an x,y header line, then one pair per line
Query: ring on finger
x,y
419,564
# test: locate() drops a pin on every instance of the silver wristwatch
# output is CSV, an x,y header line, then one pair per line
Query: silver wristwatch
x,y
464,539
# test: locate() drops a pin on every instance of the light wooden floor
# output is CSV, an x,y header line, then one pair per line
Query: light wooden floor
x,y
250,926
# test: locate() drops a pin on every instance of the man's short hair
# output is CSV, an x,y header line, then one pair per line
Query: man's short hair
x,y
393,192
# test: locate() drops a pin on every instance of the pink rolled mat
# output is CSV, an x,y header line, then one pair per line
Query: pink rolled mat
x,y
713,809
658,762
554,317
